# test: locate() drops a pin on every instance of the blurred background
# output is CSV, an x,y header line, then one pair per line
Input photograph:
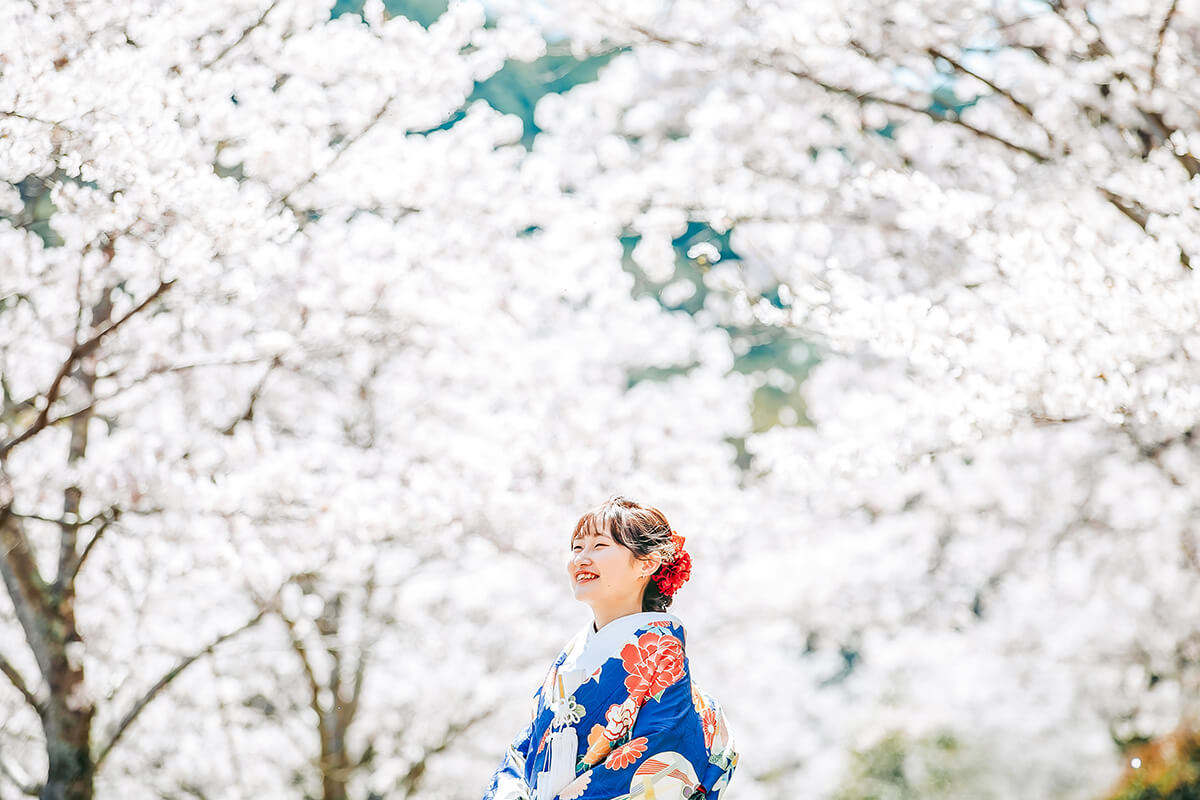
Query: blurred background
x,y
321,324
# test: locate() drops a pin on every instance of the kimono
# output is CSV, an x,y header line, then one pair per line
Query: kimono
x,y
619,718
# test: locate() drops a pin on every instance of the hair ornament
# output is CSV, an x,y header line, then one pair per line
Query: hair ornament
x,y
676,567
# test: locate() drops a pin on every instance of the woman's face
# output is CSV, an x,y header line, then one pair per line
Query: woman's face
x,y
605,574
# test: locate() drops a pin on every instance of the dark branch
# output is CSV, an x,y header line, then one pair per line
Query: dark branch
x,y
360,672
165,681
1095,48
1162,35
248,414
255,26
409,781
1023,107
1140,216
866,97
1132,210
91,407
31,789
17,681
77,563
1164,132
80,350
286,200
862,97
25,585
314,686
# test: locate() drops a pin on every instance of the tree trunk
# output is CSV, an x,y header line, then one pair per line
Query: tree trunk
x,y
68,737
67,714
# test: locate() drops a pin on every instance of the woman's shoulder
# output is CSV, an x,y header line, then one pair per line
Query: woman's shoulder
x,y
663,624
637,624
656,637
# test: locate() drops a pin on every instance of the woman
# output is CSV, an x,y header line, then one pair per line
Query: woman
x,y
617,716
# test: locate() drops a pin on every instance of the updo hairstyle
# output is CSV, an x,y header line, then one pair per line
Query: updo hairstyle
x,y
641,529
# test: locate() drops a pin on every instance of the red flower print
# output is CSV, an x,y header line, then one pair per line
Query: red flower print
x,y
654,662
626,754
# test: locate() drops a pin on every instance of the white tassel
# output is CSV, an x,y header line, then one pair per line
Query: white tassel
x,y
564,749
542,790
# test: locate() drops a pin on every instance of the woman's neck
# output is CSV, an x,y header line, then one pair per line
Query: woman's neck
x,y
603,618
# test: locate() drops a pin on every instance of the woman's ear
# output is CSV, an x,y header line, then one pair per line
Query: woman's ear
x,y
652,562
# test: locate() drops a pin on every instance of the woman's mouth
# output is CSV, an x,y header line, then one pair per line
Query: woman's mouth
x,y
585,577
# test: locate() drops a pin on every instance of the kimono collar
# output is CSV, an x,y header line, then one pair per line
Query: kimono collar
x,y
591,648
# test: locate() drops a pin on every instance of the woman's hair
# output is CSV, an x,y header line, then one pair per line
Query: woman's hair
x,y
639,528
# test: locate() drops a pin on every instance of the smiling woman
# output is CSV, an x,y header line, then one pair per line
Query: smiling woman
x,y
620,569
624,679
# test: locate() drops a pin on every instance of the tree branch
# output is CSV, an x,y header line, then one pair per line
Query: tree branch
x,y
286,200
25,585
1187,544
409,781
861,97
255,26
349,709
165,681
1164,132
1140,216
248,414
866,97
31,789
1162,35
77,562
80,350
314,686
91,407
28,118
1096,48
17,681
1023,107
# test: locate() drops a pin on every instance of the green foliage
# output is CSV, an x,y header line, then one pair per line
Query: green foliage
x,y
898,767
518,86
516,89
1167,768
38,208
425,12
758,349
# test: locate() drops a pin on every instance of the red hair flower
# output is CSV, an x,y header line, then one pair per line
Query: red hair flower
x,y
672,574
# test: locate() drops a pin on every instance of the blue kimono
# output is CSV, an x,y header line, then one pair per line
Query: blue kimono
x,y
618,718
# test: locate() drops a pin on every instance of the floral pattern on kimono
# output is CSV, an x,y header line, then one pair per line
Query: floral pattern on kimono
x,y
644,728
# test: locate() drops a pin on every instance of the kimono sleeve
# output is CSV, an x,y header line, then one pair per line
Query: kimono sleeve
x,y
654,743
508,781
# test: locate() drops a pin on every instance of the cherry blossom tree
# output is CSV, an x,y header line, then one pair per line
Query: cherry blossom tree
x,y
984,217
301,372
296,385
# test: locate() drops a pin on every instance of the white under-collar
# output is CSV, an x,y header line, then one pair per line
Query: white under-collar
x,y
590,647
